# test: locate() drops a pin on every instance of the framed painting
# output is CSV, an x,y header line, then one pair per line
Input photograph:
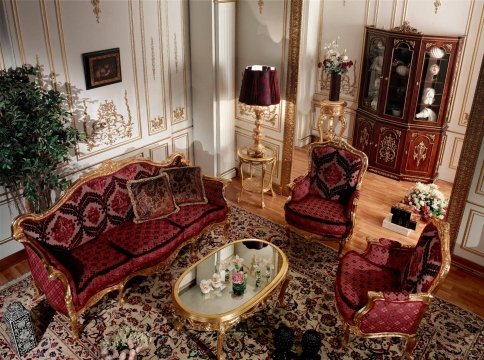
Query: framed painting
x,y
102,68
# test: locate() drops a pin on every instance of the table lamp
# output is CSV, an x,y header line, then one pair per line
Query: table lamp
x,y
259,88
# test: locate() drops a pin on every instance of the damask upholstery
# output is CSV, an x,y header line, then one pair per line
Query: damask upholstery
x,y
89,244
187,185
151,198
385,290
323,202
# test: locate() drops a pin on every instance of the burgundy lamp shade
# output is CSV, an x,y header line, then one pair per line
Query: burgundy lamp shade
x,y
260,86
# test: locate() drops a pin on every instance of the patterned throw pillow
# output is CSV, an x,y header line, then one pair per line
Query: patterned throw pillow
x,y
151,198
187,185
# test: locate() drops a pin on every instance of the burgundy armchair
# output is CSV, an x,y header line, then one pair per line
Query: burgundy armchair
x,y
323,202
385,290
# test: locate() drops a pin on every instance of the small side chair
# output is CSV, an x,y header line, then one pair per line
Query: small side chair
x,y
322,203
386,290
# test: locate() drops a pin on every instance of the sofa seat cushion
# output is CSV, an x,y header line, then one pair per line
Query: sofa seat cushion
x,y
136,239
193,218
318,215
92,260
356,276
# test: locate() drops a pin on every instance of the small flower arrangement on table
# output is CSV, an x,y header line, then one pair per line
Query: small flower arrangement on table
x,y
125,345
239,277
427,201
334,61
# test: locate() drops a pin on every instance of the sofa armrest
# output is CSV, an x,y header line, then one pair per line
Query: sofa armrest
x,y
352,203
299,188
388,253
383,308
54,279
215,190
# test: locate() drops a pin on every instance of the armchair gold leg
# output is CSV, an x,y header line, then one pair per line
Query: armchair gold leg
x,y
74,326
409,346
38,291
120,297
346,336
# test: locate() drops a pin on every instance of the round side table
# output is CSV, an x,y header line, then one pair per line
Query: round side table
x,y
258,181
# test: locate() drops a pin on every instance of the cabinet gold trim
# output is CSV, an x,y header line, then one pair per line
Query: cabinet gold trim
x,y
406,28
420,152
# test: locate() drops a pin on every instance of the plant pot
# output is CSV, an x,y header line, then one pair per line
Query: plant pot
x,y
335,87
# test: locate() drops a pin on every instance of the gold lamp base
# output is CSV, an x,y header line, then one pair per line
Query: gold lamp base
x,y
257,149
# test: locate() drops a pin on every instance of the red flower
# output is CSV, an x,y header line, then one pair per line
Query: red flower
x,y
93,215
332,174
120,202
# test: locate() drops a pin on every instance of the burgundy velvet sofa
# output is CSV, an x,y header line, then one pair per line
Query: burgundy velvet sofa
x,y
88,245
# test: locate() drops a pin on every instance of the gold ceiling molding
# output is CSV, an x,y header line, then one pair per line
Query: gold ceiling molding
x,y
110,125
406,28
437,4
96,4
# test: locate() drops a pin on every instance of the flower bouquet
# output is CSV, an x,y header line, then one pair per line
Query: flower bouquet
x,y
334,61
427,201
125,345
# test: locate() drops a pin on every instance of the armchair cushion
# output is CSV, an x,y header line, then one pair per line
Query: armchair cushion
x,y
318,215
390,254
187,185
356,276
151,198
334,172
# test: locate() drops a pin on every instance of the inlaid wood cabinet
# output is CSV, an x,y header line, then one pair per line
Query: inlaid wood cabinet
x,y
406,84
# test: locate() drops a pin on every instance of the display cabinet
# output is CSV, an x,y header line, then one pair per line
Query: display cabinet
x,y
402,110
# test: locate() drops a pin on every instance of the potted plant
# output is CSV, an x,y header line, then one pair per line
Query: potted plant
x,y
36,135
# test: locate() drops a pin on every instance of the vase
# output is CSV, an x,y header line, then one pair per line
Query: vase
x,y
335,87
238,289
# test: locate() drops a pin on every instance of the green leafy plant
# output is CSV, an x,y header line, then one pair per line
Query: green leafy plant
x,y
36,136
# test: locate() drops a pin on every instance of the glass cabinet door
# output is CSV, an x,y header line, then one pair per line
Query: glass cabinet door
x,y
432,84
373,72
402,57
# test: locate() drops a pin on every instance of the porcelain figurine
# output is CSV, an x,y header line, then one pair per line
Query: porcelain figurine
x,y
436,52
428,96
427,113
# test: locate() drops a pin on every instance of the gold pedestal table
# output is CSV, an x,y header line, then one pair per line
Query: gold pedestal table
x,y
261,170
331,112
220,308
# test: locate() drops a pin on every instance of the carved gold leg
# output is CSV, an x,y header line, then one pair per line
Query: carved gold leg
x,y
74,326
409,346
282,303
38,291
120,297
220,343
226,228
342,244
179,324
241,174
346,336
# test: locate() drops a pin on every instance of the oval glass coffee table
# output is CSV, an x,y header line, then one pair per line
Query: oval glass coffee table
x,y
206,298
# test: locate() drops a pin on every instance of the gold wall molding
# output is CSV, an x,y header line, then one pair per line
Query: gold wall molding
x,y
48,45
179,114
18,31
110,126
348,86
2,60
480,182
175,45
96,4
455,155
60,33
467,164
269,114
291,93
153,60
260,3
471,217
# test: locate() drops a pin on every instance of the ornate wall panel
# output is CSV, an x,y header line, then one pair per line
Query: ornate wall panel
x,y
177,64
470,238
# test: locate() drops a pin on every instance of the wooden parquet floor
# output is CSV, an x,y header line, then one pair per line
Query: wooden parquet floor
x,y
377,195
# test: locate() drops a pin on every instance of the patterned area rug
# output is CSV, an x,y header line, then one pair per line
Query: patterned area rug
x,y
446,331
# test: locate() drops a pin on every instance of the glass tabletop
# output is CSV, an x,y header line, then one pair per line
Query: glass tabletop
x,y
233,276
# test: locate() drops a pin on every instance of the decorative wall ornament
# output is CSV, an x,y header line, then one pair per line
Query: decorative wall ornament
x,y
261,5
268,114
437,4
179,114
110,125
96,8
406,28
388,149
158,123
420,152
153,61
